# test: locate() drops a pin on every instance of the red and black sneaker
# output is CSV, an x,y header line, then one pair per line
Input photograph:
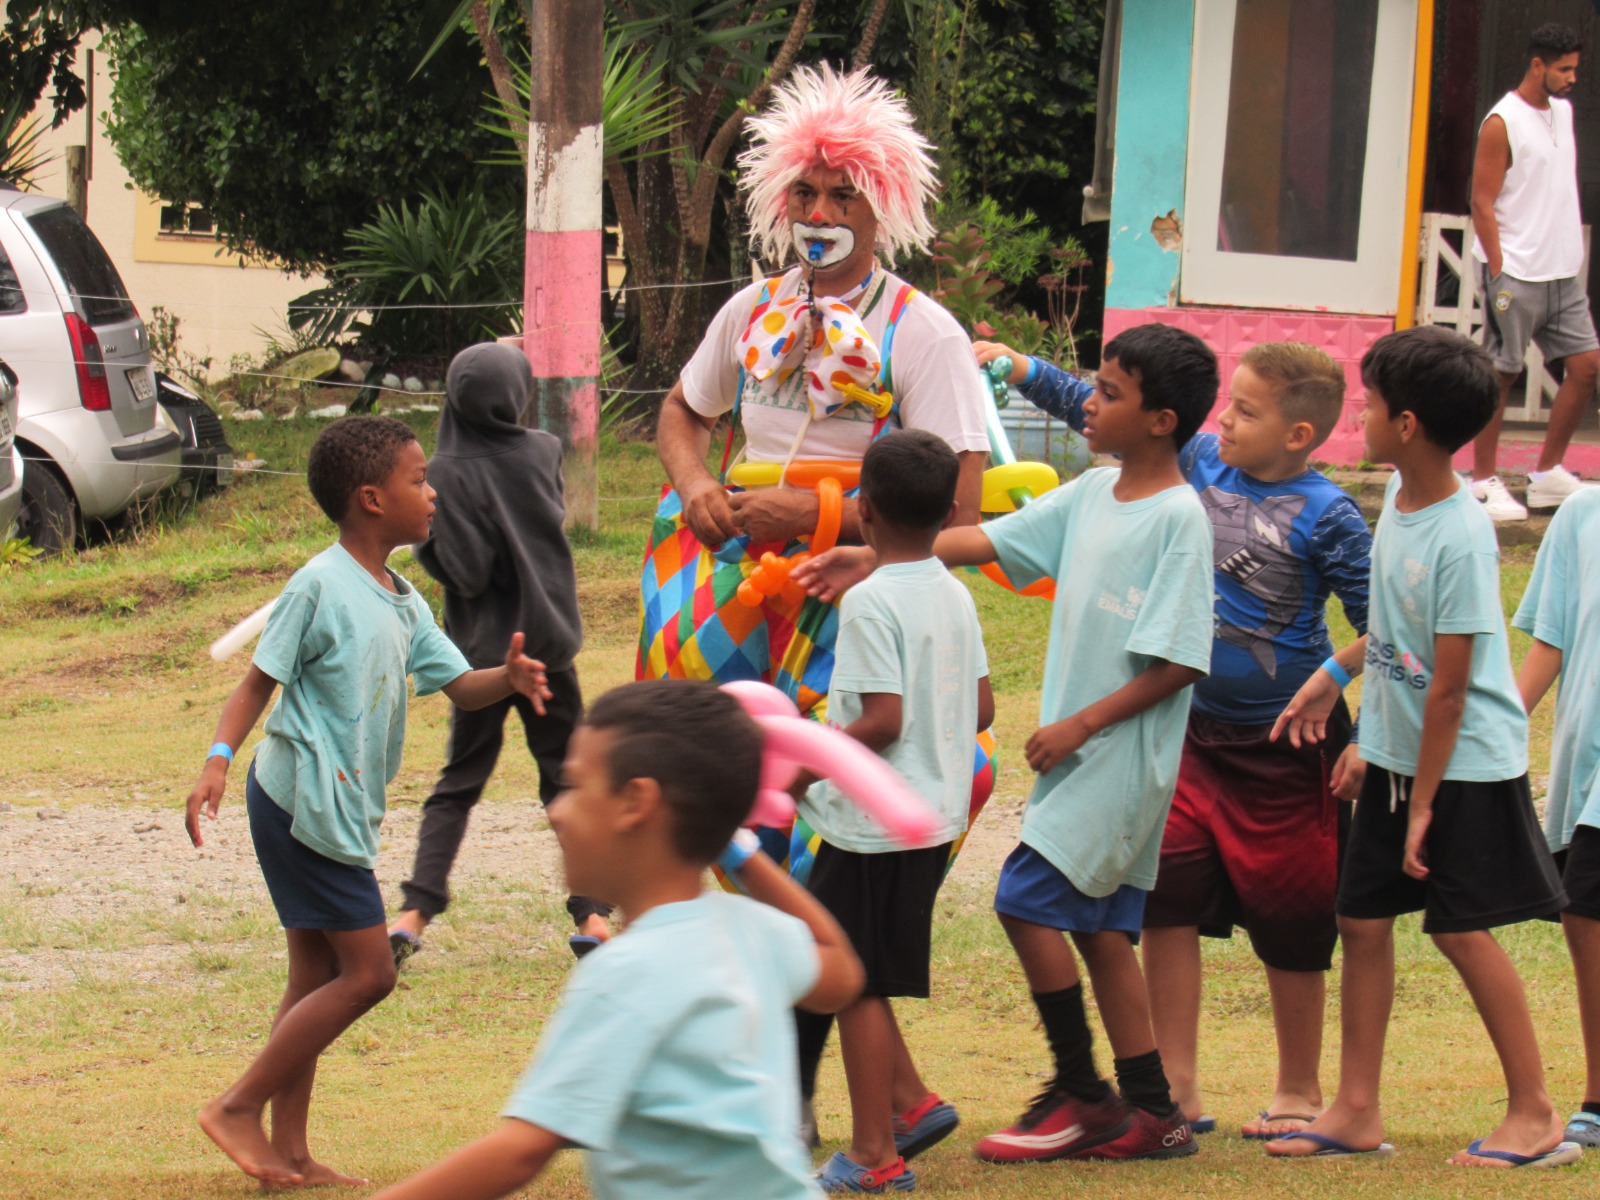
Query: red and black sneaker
x,y
1147,1136
1057,1125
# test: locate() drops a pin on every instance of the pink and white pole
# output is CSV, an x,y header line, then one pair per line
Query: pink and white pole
x,y
565,256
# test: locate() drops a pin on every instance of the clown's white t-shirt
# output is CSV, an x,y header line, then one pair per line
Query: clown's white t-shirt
x,y
933,375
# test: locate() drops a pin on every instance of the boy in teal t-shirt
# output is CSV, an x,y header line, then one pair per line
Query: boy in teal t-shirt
x,y
1130,550
1444,824
1561,610
341,640
671,1061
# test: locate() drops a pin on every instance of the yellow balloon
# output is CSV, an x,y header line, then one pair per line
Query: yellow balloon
x,y
998,482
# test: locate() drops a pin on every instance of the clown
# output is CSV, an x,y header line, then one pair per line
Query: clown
x,y
813,364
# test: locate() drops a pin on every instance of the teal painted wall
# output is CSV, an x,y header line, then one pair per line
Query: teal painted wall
x,y
1152,148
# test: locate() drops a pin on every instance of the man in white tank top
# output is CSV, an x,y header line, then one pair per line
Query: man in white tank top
x,y
1529,256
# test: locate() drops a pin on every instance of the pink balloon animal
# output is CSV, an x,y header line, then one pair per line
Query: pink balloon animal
x,y
793,742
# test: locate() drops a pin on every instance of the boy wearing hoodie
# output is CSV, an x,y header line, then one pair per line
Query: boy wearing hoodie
x,y
498,550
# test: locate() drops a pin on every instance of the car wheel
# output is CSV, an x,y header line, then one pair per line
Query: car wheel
x,y
49,516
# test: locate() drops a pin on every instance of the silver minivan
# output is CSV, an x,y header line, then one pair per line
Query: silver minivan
x,y
87,422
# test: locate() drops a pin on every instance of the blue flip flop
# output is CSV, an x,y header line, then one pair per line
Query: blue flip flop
x,y
1332,1147
582,944
1203,1125
1266,1117
1564,1154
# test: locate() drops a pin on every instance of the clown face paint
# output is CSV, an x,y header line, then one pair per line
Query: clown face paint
x,y
837,243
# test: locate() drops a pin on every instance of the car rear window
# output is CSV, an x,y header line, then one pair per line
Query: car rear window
x,y
84,265
11,298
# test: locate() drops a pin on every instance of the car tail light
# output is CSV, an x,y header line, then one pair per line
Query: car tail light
x,y
94,389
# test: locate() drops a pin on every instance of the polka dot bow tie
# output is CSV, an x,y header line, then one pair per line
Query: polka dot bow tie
x,y
830,344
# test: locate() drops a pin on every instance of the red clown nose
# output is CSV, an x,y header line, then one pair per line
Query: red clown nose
x,y
816,217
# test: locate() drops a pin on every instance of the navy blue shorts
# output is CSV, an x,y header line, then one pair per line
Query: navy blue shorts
x,y
309,890
1032,890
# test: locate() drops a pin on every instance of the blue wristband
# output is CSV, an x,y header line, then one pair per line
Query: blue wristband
x,y
740,850
220,748
1340,675
1033,372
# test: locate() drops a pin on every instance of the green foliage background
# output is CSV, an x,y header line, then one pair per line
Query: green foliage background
x,y
295,123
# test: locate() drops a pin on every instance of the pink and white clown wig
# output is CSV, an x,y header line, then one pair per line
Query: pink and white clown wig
x,y
851,123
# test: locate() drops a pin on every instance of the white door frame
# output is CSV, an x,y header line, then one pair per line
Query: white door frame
x,y
1370,285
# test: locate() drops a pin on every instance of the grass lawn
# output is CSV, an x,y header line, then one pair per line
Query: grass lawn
x,y
108,699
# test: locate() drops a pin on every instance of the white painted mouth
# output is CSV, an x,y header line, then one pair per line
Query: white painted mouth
x,y
823,245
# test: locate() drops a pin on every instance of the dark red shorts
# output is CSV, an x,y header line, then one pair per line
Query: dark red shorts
x,y
1253,839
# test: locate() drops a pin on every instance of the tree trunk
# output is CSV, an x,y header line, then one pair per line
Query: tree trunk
x,y
499,70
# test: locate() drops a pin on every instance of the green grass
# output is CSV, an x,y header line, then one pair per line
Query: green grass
x,y
108,696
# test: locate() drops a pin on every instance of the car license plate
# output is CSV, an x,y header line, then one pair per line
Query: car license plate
x,y
5,424
224,470
143,384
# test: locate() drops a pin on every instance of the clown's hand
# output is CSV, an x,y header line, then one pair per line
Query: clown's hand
x,y
987,352
774,514
707,513
829,576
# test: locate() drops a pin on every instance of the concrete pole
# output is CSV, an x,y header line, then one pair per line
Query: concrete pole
x,y
561,283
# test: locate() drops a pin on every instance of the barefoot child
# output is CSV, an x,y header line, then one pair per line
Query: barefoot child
x,y
1130,550
909,679
671,1060
1253,836
1561,610
498,549
1444,824
341,640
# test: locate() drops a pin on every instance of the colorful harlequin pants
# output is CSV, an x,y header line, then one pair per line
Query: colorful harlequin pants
x,y
692,625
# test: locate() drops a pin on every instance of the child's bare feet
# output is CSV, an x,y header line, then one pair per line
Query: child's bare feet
x,y
1358,1130
239,1135
595,926
315,1174
1530,1136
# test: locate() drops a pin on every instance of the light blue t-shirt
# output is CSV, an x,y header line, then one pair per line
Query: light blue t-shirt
x,y
911,630
1562,608
1437,571
672,1057
1133,586
341,644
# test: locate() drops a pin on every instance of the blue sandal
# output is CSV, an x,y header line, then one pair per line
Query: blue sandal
x,y
1583,1128
839,1174
1563,1154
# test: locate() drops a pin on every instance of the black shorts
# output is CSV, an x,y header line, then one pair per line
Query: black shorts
x,y
884,903
1487,860
309,890
1579,865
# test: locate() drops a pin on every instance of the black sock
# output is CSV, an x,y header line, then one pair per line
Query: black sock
x,y
811,1037
1143,1083
1592,1106
1071,1043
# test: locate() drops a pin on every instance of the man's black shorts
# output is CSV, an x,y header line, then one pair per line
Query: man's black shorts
x,y
1487,860
884,903
1579,865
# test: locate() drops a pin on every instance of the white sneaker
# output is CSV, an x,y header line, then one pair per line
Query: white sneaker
x,y
1553,486
1496,501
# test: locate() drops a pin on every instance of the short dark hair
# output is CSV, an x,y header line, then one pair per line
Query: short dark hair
x,y
1176,370
698,743
909,477
1553,41
351,453
1444,379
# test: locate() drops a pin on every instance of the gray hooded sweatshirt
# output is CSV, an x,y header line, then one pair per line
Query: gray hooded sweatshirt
x,y
496,543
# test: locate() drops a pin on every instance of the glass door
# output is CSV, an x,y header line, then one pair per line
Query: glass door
x,y
1299,131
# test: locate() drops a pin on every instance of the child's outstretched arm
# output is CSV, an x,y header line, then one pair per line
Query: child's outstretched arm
x,y
1043,384
1538,672
493,1166
1054,742
239,716
840,977
481,688
1441,722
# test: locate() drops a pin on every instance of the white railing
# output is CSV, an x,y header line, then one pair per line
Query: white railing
x,y
1447,256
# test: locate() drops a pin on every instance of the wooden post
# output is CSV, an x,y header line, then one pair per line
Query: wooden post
x,y
562,285
78,180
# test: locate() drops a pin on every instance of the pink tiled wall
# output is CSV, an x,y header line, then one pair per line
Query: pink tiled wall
x,y
1232,331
